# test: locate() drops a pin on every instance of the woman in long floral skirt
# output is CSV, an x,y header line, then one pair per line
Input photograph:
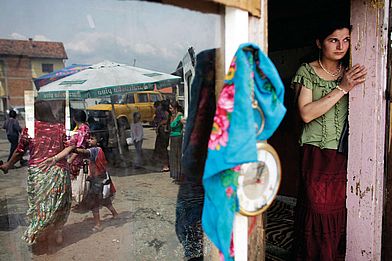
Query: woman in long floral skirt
x,y
48,180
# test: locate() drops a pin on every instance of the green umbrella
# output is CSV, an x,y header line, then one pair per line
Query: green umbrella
x,y
106,79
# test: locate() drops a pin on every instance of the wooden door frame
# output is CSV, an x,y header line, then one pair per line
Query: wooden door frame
x,y
386,251
367,117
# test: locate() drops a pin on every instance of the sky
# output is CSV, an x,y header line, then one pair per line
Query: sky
x,y
147,35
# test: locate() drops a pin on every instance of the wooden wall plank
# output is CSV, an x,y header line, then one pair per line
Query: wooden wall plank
x,y
367,132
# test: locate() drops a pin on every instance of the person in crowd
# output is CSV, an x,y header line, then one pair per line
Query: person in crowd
x,y
137,135
323,85
163,131
93,124
155,121
97,175
48,185
97,126
176,126
78,140
13,130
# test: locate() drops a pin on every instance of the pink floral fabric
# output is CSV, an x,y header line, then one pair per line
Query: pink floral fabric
x,y
219,134
79,140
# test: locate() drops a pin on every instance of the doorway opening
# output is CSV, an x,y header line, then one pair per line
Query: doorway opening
x,y
291,29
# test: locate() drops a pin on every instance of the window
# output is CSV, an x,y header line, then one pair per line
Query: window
x,y
130,98
155,97
116,35
2,75
47,67
143,97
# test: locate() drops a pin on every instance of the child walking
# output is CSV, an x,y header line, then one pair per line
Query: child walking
x,y
137,135
97,177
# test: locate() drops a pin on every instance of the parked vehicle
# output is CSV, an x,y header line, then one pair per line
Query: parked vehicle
x,y
126,105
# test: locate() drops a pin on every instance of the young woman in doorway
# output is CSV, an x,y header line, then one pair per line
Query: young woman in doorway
x,y
323,86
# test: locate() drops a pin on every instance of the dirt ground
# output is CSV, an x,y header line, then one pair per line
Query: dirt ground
x,y
144,230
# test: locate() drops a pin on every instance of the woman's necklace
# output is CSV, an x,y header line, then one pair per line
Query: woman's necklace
x,y
325,70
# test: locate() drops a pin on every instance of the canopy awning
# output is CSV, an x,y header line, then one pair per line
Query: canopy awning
x,y
106,79
58,74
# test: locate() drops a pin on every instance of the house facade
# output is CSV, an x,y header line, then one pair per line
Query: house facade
x,y
20,62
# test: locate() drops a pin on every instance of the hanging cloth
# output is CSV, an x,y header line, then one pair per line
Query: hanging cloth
x,y
198,127
233,138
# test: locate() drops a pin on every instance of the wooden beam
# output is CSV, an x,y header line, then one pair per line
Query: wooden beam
x,y
201,6
367,106
258,33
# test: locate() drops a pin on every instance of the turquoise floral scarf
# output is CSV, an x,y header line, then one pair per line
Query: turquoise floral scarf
x,y
233,137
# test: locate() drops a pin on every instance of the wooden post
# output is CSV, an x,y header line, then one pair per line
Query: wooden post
x,y
236,33
67,115
367,106
241,28
116,126
29,112
256,245
258,33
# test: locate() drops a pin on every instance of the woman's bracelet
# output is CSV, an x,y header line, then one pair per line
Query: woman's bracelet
x,y
340,89
55,158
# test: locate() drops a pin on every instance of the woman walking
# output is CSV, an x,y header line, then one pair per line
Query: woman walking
x,y
137,135
78,140
323,86
48,185
163,131
176,126
13,130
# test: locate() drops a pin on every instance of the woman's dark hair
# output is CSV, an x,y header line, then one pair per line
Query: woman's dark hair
x,y
328,27
157,103
165,105
80,116
43,111
323,29
177,106
12,114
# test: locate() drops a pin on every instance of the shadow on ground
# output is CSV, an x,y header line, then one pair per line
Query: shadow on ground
x,y
9,222
74,233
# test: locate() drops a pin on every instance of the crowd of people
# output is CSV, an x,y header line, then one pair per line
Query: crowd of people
x,y
59,167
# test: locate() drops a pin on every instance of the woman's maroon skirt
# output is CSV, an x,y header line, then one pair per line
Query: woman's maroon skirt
x,y
320,225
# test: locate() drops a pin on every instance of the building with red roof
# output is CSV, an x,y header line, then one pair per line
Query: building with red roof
x,y
20,62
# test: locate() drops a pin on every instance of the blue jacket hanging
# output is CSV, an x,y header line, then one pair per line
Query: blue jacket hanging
x,y
233,136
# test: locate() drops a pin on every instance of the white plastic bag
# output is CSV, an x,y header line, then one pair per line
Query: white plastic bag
x,y
129,141
106,186
106,191
79,186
